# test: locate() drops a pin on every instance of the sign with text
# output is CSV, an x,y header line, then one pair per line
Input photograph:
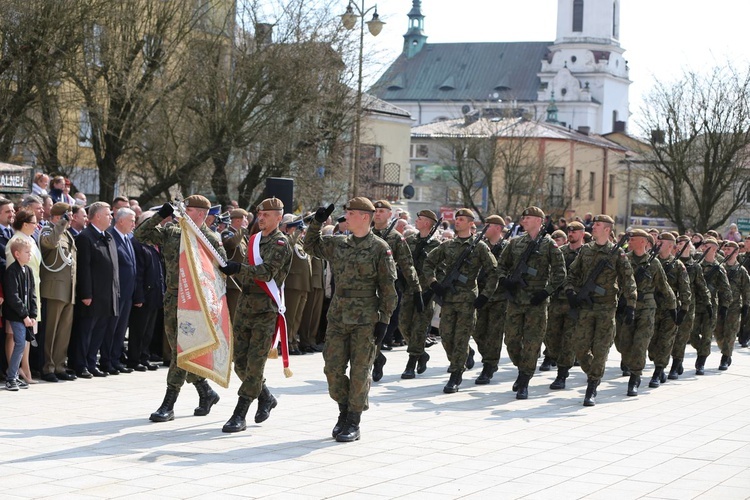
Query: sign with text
x,y
14,178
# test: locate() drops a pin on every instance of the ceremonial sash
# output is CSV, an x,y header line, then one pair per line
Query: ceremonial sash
x,y
277,295
204,332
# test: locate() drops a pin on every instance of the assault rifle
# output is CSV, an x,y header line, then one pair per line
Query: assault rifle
x,y
389,229
496,249
669,265
731,274
418,255
590,287
703,255
454,274
522,267
642,270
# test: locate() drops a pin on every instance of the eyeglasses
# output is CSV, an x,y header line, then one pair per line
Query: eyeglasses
x,y
30,222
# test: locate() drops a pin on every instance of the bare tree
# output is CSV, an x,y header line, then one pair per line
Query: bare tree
x,y
700,139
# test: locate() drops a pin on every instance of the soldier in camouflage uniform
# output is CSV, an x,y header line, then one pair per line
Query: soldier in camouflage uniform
x,y
699,294
595,329
632,340
491,319
560,326
526,314
744,334
257,314
415,323
365,295
739,281
168,238
667,320
234,239
707,314
407,283
459,299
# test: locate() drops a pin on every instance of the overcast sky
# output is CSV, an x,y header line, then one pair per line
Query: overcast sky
x,y
660,37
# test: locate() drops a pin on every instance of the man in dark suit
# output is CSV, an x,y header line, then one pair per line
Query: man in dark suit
x,y
98,289
7,214
114,344
78,220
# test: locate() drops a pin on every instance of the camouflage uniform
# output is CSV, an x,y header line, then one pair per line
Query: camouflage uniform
x,y
699,295
414,324
632,341
727,330
595,329
457,314
257,312
560,326
168,240
365,294
491,318
235,245
705,320
665,329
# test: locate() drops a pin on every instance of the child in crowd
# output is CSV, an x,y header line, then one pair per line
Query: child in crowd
x,y
19,307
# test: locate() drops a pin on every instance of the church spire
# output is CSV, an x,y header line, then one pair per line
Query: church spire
x,y
415,39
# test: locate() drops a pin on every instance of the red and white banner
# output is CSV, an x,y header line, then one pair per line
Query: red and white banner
x,y
204,332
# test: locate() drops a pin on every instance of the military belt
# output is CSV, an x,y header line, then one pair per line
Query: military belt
x,y
355,294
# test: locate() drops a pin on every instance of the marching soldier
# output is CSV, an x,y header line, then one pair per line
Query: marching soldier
x,y
595,329
365,295
168,239
739,281
234,239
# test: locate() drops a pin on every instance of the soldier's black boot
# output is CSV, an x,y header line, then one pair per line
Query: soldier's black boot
x,y
523,386
590,398
662,375
470,359
236,422
723,364
350,431
633,384
515,384
625,369
422,363
547,364
208,398
487,371
674,371
410,366
700,363
165,413
655,379
266,403
343,411
377,368
453,383
559,383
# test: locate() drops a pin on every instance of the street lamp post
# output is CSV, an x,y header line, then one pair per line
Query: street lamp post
x,y
375,25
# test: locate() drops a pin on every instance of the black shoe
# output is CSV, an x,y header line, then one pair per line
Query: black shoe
x,y
386,347
488,371
515,384
523,386
49,377
343,412
84,373
700,362
64,376
109,370
470,359
350,431
559,383
422,363
150,366
236,422
123,369
377,368
138,368
655,382
673,373
546,364
207,398
724,364
633,384
410,367
165,413
453,383
96,372
266,403
680,369
590,398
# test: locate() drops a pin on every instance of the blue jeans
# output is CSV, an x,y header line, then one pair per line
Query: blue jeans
x,y
19,344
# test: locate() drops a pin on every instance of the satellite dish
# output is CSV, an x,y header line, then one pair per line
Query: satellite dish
x,y
409,192
465,109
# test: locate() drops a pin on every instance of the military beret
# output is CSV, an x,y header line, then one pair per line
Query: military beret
x,y
494,219
683,238
427,213
675,234
667,236
382,204
605,218
59,208
710,241
214,210
639,233
197,201
713,234
237,213
464,212
534,212
576,226
731,244
559,234
699,236
272,203
361,203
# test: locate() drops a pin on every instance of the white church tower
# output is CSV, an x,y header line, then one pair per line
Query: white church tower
x,y
585,74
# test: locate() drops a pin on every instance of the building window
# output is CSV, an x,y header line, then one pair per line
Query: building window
x,y
419,151
84,129
611,185
592,182
579,174
614,20
556,188
578,15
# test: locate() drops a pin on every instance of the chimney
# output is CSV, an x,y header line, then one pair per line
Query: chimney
x,y
619,126
263,34
584,130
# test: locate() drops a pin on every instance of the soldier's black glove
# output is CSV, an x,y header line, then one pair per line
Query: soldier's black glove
x,y
572,299
418,302
723,312
66,216
437,288
379,334
231,268
427,296
509,285
629,315
680,317
673,314
166,210
710,310
539,297
480,301
744,310
322,214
